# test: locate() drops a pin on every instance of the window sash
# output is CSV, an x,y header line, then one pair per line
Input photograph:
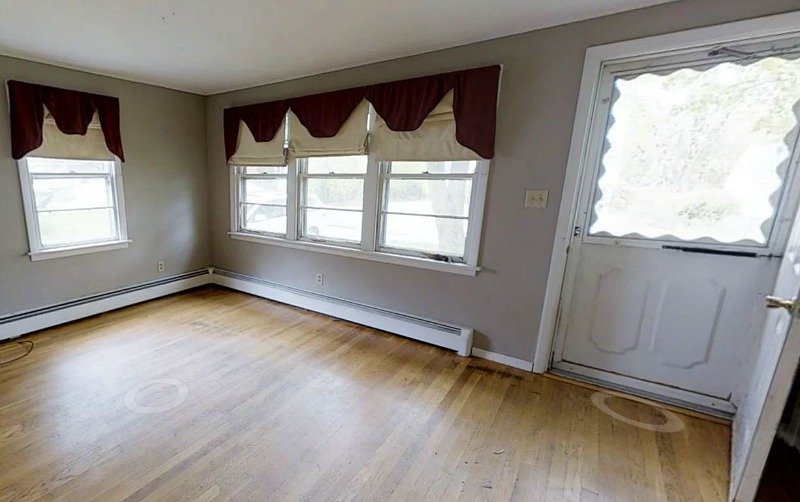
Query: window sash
x,y
113,180
241,178
109,182
303,205
387,175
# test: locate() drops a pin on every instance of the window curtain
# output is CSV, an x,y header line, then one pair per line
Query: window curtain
x,y
350,139
403,107
255,134
73,117
57,145
250,152
434,140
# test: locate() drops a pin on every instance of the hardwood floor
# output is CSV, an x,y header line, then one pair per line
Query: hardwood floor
x,y
282,404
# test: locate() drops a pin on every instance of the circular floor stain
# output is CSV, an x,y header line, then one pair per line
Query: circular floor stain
x,y
673,423
132,404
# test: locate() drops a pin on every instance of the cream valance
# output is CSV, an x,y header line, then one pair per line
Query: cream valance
x,y
57,145
434,140
249,152
351,139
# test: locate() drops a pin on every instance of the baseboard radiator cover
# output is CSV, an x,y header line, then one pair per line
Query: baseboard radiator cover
x,y
443,335
28,321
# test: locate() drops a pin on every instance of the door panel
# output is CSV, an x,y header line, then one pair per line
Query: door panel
x,y
698,304
680,319
615,331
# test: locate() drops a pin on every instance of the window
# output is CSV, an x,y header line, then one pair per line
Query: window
x,y
426,208
409,213
262,199
709,140
693,148
332,202
72,204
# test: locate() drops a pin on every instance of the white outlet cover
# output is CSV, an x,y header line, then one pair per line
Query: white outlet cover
x,y
536,198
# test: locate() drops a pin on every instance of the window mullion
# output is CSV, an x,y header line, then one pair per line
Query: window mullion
x,y
292,200
29,203
235,196
477,202
369,218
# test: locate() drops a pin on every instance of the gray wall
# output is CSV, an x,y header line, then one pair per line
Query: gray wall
x,y
541,77
163,133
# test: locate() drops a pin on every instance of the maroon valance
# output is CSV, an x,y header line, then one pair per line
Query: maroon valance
x,y
324,114
403,105
263,120
72,112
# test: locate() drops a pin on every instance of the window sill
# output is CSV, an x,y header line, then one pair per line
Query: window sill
x,y
395,259
50,254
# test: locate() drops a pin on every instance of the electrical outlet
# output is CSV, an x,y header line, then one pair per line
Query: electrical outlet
x,y
536,198
320,278
160,266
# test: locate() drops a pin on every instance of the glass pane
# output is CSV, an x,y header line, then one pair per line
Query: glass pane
x,y
446,236
264,191
335,192
351,164
332,224
698,154
441,197
259,218
58,166
64,228
72,193
450,167
265,170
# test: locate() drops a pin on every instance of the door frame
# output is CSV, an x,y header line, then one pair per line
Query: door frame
x,y
753,30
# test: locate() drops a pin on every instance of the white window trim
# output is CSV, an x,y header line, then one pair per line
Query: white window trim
x,y
38,252
763,29
368,249
301,167
237,177
475,217
377,256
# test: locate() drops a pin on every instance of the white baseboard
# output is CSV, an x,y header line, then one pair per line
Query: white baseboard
x,y
22,323
503,359
447,336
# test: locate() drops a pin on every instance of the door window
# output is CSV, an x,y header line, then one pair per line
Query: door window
x,y
698,153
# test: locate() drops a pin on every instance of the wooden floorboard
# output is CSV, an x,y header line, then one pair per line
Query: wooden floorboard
x,y
284,404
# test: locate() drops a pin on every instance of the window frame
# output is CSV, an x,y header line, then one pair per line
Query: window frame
x,y
368,249
237,219
301,166
597,125
474,216
37,251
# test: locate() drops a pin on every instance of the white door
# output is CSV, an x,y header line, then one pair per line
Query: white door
x,y
684,214
771,379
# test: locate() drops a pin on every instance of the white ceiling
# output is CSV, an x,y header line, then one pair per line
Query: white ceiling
x,y
211,46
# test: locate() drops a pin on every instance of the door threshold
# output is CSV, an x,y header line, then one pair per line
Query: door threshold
x,y
671,404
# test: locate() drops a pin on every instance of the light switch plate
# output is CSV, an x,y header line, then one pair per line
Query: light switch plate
x,y
536,198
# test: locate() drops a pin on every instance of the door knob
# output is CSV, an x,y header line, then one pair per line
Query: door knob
x,y
774,302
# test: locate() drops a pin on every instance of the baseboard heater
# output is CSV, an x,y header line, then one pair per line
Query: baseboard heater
x,y
448,336
28,321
